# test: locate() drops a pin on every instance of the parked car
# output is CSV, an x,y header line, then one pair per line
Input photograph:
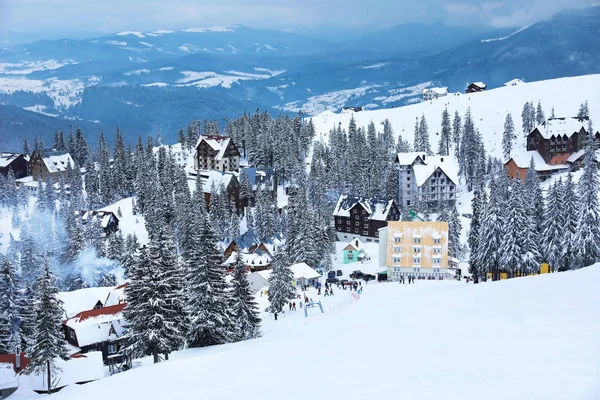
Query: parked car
x,y
339,272
345,282
331,274
333,280
368,277
356,275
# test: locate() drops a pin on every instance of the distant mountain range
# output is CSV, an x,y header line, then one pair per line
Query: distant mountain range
x,y
171,77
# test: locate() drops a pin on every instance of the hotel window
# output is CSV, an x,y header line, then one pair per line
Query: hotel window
x,y
365,233
416,249
436,261
347,222
417,240
396,260
366,226
436,250
348,229
354,211
363,212
417,260
339,221
357,223
397,239
397,250
355,230
416,269
437,240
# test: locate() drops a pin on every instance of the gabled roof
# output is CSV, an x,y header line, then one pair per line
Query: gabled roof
x,y
480,85
7,158
378,209
105,217
116,296
217,143
355,245
99,325
524,159
440,91
215,178
561,126
447,164
410,157
257,259
246,240
57,161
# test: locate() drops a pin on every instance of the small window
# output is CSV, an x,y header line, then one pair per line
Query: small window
x,y
348,229
347,222
354,211
363,212
366,226
356,230
417,240
72,334
112,348
408,185
357,223
437,240
397,239
339,221
365,233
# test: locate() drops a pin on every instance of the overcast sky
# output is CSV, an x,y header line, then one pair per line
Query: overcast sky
x,y
115,15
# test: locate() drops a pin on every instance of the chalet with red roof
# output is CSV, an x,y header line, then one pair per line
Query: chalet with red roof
x,y
100,329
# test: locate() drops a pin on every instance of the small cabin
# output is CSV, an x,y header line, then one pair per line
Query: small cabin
x,y
354,252
476,87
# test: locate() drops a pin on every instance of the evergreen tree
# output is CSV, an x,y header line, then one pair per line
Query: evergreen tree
x,y
491,233
570,215
26,149
454,232
552,238
527,118
446,133
48,340
10,320
539,115
25,302
477,205
210,320
244,308
587,240
281,287
584,111
456,132
508,136
514,225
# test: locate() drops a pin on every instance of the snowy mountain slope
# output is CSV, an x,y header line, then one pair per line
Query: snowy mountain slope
x,y
527,338
489,110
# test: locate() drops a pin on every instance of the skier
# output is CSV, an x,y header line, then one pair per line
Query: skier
x,y
294,306
326,293
331,291
319,292
275,315
290,306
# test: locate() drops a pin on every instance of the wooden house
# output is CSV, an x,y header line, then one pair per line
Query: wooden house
x,y
257,255
476,87
99,329
17,163
556,139
107,219
49,164
434,93
213,181
518,165
363,217
216,153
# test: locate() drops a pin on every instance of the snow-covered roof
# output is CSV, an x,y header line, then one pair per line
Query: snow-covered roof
x,y
256,259
524,159
116,296
378,209
447,164
217,143
409,158
246,240
57,161
83,299
175,148
273,243
8,378
577,155
7,158
561,127
440,91
514,82
301,270
214,179
98,325
356,245
257,281
479,84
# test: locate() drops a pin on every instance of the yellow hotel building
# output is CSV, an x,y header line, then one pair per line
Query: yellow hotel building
x,y
414,249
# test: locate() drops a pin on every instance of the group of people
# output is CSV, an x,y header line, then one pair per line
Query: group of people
x,y
411,279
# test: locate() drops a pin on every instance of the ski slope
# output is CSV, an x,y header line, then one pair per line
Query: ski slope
x,y
526,338
488,108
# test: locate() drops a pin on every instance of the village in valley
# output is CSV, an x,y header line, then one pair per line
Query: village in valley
x,y
296,229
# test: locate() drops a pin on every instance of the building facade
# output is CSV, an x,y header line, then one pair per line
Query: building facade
x,y
429,179
434,93
49,164
415,249
363,217
556,139
216,153
17,163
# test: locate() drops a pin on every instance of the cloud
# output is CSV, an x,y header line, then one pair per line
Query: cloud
x,y
114,15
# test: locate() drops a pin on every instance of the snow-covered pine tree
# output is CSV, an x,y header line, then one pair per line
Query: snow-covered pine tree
x,y
570,214
454,232
281,288
508,136
491,233
527,121
445,135
424,136
244,308
210,319
514,224
534,198
10,320
584,111
552,237
30,263
246,192
456,132
587,240
48,341
539,114
26,149
25,302
137,340
417,142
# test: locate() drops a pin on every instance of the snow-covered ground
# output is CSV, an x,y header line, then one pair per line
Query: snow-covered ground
x,y
488,108
525,338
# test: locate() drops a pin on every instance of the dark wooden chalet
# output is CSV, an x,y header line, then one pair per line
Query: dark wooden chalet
x,y
359,216
17,163
216,153
100,329
556,139
107,219
476,87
